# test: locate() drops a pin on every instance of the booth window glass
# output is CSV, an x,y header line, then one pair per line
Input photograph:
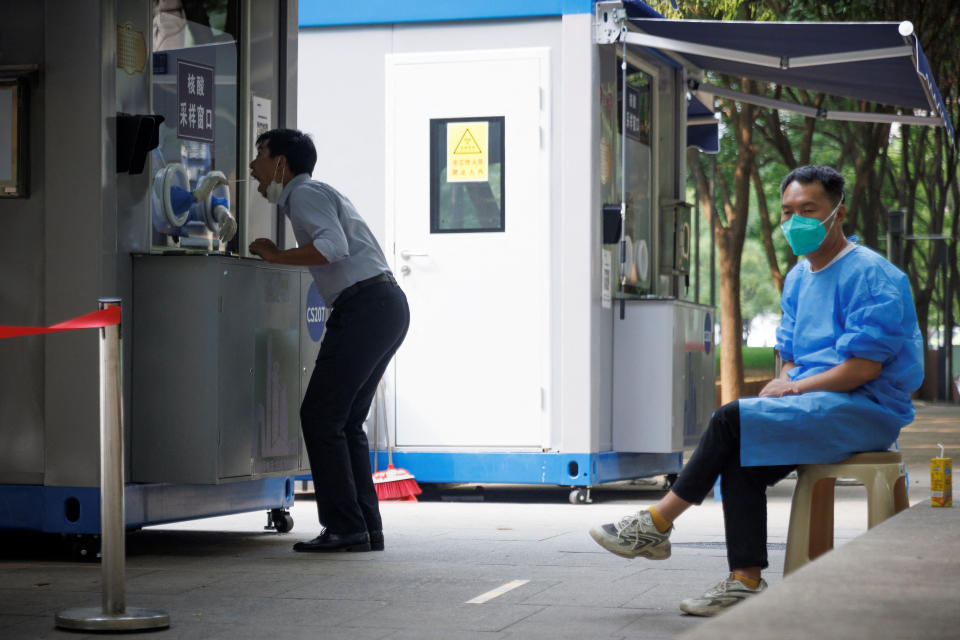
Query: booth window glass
x,y
467,175
13,165
635,120
195,90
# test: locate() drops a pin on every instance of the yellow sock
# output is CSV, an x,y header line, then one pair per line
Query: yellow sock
x,y
753,584
661,523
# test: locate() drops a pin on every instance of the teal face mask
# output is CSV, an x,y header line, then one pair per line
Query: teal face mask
x,y
805,235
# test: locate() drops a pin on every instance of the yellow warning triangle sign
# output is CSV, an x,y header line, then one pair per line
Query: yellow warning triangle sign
x,y
467,144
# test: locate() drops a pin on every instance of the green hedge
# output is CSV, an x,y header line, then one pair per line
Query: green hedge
x,y
757,361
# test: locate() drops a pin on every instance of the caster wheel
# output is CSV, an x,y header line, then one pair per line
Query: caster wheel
x,y
285,524
579,496
281,520
85,548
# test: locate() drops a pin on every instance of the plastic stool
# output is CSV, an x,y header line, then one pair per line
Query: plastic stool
x,y
811,515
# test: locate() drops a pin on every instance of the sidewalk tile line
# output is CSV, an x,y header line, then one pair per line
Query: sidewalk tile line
x,y
499,591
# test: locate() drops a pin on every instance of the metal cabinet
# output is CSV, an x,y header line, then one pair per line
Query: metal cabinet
x,y
663,375
218,368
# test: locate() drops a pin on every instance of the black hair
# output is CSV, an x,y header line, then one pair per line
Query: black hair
x,y
295,146
829,177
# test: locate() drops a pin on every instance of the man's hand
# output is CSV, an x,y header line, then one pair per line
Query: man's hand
x,y
846,376
265,248
778,387
306,256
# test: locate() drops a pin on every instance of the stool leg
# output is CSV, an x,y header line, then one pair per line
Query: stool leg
x,y
798,532
900,499
880,502
821,518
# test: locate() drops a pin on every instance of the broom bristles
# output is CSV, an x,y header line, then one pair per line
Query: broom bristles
x,y
396,484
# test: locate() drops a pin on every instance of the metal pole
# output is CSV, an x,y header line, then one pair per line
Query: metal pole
x,y
713,230
696,235
948,323
113,614
623,175
945,340
111,470
244,122
895,237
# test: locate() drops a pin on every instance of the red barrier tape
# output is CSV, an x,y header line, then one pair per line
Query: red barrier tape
x,y
103,318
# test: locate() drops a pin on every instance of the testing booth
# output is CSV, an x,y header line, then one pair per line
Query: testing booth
x,y
119,109
552,340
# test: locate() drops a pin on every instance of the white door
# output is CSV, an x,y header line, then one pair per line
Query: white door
x,y
467,190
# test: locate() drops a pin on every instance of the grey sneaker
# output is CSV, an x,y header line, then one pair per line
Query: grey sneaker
x,y
634,535
729,592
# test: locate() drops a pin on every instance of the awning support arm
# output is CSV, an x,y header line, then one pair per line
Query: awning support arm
x,y
814,112
608,21
911,41
763,60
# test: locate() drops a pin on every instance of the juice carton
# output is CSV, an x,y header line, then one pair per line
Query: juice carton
x,y
941,481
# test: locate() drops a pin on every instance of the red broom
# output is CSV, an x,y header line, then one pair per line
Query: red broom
x,y
396,484
393,483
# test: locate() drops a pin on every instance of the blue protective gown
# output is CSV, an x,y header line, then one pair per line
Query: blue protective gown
x,y
860,306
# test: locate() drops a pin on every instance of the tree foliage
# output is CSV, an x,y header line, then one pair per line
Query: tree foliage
x,y
911,168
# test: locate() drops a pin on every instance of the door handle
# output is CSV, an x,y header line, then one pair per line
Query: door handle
x,y
406,255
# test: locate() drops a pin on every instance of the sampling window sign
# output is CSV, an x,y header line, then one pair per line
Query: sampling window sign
x,y
636,111
195,104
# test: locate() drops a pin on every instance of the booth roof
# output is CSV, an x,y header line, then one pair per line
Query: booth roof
x,y
326,13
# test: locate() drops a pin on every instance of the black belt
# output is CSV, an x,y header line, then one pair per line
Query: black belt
x,y
357,287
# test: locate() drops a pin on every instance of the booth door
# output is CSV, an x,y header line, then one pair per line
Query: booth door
x,y
467,195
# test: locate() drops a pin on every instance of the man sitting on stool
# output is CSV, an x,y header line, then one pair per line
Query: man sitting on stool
x,y
851,352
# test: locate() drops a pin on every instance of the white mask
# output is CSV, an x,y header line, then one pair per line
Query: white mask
x,y
275,189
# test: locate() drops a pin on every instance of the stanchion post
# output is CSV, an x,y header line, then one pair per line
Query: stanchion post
x,y
113,614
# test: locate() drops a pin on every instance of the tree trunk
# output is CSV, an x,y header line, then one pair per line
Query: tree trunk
x,y
730,239
861,195
766,229
731,321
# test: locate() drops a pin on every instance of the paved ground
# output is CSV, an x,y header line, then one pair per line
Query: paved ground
x,y
862,590
227,578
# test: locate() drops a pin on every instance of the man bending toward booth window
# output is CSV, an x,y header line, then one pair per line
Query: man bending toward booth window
x,y
851,353
369,321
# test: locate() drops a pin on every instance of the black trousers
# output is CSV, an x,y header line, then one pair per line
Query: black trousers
x,y
361,337
744,489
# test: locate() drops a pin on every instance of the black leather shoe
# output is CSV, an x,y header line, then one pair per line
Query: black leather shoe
x,y
376,540
328,542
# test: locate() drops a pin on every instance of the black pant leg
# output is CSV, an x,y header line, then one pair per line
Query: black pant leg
x,y
744,489
719,444
358,448
357,443
361,334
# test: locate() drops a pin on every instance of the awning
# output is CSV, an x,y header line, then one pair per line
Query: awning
x,y
703,128
881,62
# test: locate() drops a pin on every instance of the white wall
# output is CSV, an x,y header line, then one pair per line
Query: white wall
x,y
341,103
